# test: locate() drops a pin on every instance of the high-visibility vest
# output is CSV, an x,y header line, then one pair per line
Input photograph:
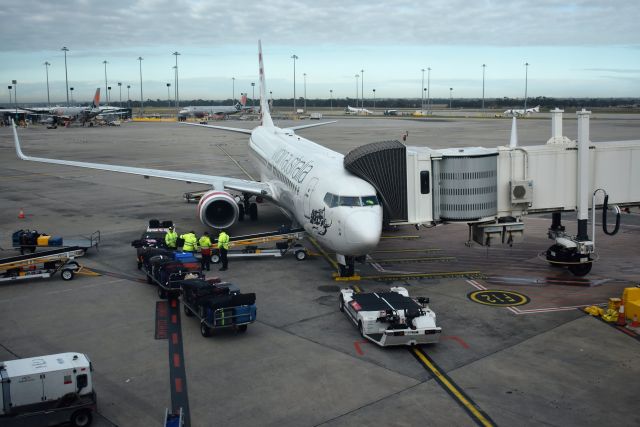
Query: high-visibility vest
x,y
205,245
171,238
190,242
223,240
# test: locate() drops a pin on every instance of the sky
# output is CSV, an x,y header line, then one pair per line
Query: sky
x,y
583,48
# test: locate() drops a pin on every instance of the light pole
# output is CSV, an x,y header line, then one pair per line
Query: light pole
x,y
120,87
483,68
253,95
422,93
168,96
233,90
15,94
176,53
362,88
294,57
271,96
305,91
450,95
66,78
108,93
429,89
71,89
46,67
128,96
526,75
106,90
10,87
331,96
374,99
141,98
357,88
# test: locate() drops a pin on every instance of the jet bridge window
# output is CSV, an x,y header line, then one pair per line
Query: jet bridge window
x,y
424,182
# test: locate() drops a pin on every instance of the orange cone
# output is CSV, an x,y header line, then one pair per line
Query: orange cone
x,y
21,214
635,323
622,321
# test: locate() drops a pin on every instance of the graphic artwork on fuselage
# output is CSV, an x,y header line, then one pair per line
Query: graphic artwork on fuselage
x,y
296,168
319,221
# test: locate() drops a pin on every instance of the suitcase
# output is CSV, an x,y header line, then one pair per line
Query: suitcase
x,y
154,223
185,257
43,240
167,224
55,241
243,314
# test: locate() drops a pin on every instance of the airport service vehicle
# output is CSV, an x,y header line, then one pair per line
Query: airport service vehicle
x,y
167,270
218,305
47,390
247,246
43,264
391,318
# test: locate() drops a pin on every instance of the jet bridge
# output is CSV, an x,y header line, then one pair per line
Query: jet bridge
x,y
493,188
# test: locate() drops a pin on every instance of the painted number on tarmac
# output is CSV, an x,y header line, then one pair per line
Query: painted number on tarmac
x,y
498,298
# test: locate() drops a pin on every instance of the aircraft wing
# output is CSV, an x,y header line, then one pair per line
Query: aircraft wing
x,y
216,182
294,128
239,130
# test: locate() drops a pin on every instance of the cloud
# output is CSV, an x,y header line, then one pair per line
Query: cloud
x,y
43,24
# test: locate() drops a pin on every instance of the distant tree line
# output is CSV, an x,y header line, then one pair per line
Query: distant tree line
x,y
395,103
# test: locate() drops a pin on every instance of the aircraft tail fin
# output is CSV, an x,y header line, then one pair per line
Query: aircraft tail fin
x,y
96,99
265,114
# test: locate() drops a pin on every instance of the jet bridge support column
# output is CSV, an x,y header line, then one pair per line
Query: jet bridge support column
x,y
583,174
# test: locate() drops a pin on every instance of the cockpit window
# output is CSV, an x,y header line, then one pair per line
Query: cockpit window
x,y
349,201
333,200
369,201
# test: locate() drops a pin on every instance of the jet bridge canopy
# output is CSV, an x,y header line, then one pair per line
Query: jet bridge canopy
x,y
384,165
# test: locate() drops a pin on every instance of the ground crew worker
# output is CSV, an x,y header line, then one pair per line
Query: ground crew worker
x,y
171,238
223,247
190,242
205,251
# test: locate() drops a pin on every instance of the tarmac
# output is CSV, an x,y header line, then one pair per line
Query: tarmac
x,y
302,363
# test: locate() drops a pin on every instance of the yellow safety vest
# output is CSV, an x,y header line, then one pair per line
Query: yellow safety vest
x,y
171,238
223,240
204,242
190,242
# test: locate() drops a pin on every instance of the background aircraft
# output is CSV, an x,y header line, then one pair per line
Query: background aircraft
x,y
351,110
518,113
214,110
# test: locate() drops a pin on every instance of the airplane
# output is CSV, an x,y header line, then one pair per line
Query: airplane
x,y
83,114
518,113
307,181
351,110
214,110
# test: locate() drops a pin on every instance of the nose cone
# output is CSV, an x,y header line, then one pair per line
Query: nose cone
x,y
362,230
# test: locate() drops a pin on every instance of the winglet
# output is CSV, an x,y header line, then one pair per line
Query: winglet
x,y
17,142
264,102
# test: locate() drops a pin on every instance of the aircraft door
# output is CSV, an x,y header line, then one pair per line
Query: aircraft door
x,y
307,197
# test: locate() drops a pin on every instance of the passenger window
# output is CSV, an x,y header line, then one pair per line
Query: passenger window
x,y
424,182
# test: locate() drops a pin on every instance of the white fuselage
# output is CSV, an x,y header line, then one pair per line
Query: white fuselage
x,y
210,109
302,174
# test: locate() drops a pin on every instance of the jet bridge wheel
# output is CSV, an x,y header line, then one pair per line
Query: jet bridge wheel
x,y
580,269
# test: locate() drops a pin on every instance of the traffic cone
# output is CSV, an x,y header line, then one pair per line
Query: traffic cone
x,y
21,214
622,321
635,323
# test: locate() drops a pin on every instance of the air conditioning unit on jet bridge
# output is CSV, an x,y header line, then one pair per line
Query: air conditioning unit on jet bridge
x,y
522,192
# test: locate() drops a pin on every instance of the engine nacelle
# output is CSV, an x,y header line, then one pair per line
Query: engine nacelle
x,y
218,209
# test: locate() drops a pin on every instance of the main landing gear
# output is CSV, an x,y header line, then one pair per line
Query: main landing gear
x,y
247,207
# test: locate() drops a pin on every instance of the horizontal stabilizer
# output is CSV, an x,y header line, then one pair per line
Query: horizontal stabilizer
x,y
294,128
239,130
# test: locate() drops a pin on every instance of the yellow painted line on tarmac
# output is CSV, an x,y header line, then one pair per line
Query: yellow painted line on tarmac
x,y
323,253
414,260
236,162
450,387
407,250
439,275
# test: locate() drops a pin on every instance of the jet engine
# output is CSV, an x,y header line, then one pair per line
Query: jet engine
x,y
218,209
